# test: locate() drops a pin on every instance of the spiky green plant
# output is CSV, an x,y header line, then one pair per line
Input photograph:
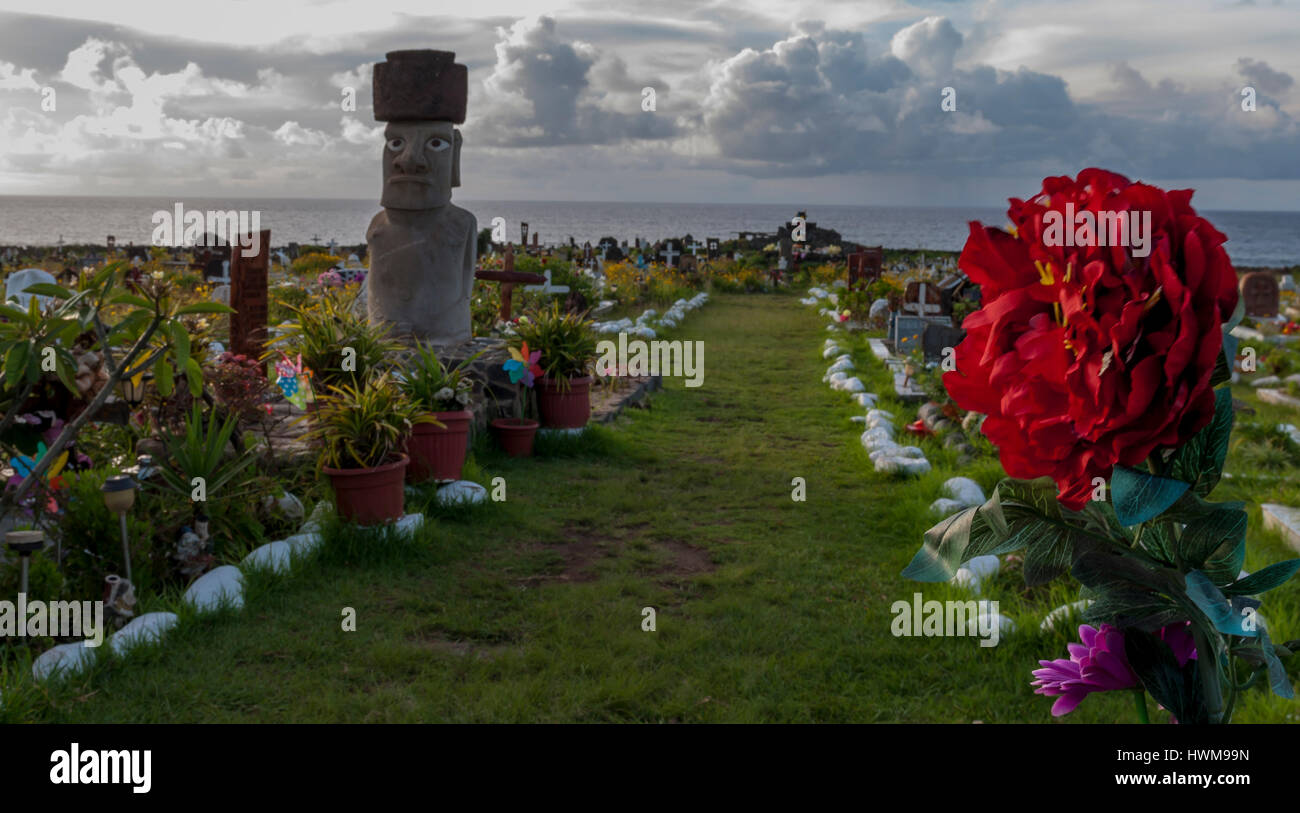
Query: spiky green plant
x,y
434,387
201,453
361,427
324,331
567,342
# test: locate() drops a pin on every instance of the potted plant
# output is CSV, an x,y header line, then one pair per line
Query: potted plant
x,y
516,434
437,448
362,431
568,348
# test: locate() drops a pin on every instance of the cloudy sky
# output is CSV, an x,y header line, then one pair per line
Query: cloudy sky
x,y
756,100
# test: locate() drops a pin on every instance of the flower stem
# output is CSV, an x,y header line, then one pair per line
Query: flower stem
x,y
1140,701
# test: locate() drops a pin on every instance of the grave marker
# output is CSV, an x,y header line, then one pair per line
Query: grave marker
x,y
1260,291
248,297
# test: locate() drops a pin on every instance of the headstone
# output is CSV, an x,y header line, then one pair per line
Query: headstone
x,y
248,298
112,242
712,249
670,255
935,338
865,266
922,299
1259,290
523,234
19,281
422,248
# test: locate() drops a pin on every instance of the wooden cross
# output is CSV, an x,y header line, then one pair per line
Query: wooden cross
x,y
509,277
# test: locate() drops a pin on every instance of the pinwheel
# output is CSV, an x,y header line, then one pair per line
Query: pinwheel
x,y
522,365
292,379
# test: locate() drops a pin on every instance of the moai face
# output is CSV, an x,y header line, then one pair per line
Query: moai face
x,y
421,164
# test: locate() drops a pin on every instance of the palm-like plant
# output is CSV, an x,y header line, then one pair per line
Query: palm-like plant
x,y
201,453
324,333
433,386
567,342
362,427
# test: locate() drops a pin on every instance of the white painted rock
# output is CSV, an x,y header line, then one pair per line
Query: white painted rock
x,y
903,465
945,507
966,580
143,629
461,491
985,567
853,384
865,399
879,309
841,365
880,413
1266,381
304,543
1063,613
224,585
19,281
409,523
964,490
68,658
273,556
831,351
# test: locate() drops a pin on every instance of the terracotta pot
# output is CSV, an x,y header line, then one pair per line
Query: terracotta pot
x,y
370,496
438,452
564,408
515,435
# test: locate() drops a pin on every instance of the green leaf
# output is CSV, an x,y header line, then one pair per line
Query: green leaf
x,y
16,363
1209,600
1215,543
1199,461
1139,496
1175,687
1277,677
180,343
194,374
164,377
1261,581
1224,363
203,307
942,549
48,289
16,315
1238,314
131,299
1048,557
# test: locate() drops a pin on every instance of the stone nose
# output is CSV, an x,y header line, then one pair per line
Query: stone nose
x,y
411,161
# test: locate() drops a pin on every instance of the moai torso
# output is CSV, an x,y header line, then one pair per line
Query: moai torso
x,y
422,272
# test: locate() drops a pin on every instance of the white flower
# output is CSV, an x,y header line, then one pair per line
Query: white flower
x,y
462,398
444,394
158,275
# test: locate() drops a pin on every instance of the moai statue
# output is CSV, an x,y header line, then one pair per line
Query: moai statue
x,y
422,247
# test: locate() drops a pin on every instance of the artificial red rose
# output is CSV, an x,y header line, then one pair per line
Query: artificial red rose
x,y
1087,356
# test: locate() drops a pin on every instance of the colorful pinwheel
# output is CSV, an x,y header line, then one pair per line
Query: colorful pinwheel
x,y
293,380
523,365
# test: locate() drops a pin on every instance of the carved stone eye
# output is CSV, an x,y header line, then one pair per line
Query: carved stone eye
x,y
396,144
438,144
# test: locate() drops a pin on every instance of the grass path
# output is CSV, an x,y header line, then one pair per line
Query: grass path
x,y
531,610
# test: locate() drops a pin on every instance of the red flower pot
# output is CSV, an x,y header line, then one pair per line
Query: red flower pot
x,y
564,408
438,452
370,496
515,435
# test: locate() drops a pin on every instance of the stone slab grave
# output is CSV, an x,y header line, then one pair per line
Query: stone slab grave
x,y
1285,520
921,305
936,338
1260,292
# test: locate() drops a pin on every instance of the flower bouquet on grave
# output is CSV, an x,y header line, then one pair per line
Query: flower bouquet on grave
x,y
293,379
1099,368
516,434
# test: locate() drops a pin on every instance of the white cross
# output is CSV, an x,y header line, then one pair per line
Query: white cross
x,y
670,254
695,248
921,306
548,288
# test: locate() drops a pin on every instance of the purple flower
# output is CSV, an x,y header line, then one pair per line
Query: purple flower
x,y
1099,664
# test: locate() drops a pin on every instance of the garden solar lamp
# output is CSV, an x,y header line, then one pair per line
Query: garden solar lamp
x,y
119,496
25,543
133,390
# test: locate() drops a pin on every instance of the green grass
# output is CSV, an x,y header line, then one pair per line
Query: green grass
x,y
768,610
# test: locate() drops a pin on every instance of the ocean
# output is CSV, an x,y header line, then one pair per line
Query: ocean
x,y
1255,238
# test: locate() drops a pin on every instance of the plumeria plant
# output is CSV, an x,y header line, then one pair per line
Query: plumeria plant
x,y
134,326
1099,372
